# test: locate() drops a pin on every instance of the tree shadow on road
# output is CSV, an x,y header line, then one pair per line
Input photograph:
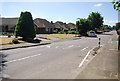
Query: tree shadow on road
x,y
2,63
30,40
106,34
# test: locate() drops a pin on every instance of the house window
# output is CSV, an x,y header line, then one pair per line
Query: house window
x,y
46,29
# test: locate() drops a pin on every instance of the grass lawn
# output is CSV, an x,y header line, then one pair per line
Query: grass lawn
x,y
6,40
61,36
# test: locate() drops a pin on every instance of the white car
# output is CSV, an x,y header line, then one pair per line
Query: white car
x,y
92,34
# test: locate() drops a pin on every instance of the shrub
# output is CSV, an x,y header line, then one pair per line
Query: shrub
x,y
25,26
99,32
15,41
65,30
62,32
72,32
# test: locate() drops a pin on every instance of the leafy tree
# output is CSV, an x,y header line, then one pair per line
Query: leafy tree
x,y
78,26
116,4
107,27
117,26
25,26
82,26
96,20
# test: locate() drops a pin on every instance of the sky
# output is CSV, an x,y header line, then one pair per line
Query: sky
x,y
60,11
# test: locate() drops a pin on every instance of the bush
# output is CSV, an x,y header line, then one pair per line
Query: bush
x,y
15,41
62,32
99,32
65,30
72,32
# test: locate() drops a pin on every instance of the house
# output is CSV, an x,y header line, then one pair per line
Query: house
x,y
8,24
60,25
71,26
44,26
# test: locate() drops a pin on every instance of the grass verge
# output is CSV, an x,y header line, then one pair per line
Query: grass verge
x,y
60,36
6,40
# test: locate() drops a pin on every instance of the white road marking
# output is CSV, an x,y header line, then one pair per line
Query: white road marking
x,y
85,58
22,58
48,46
84,49
102,45
68,47
56,47
110,41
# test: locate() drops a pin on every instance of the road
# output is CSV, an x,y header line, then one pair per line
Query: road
x,y
59,60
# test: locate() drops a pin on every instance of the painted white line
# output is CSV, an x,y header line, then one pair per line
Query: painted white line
x,y
110,41
48,46
84,49
85,58
56,47
68,47
22,59
102,45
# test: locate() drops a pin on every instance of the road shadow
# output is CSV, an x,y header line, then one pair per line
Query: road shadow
x,y
2,60
106,34
2,63
30,41
76,38
92,36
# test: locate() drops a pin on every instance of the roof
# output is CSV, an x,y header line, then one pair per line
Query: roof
x,y
71,25
42,23
9,21
60,24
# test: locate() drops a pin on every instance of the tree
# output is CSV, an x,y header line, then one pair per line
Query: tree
x,y
96,20
117,26
82,26
107,27
25,26
116,4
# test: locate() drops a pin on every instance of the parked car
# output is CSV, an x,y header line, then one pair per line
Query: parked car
x,y
118,31
92,34
106,30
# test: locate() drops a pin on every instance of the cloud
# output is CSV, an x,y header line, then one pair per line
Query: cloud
x,y
98,5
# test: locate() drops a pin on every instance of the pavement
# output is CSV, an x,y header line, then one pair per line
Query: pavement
x,y
105,63
22,45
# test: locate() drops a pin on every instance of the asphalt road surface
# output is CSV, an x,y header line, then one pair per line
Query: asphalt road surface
x,y
59,60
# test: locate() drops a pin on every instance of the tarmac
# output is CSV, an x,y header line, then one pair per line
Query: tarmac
x,y
105,65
